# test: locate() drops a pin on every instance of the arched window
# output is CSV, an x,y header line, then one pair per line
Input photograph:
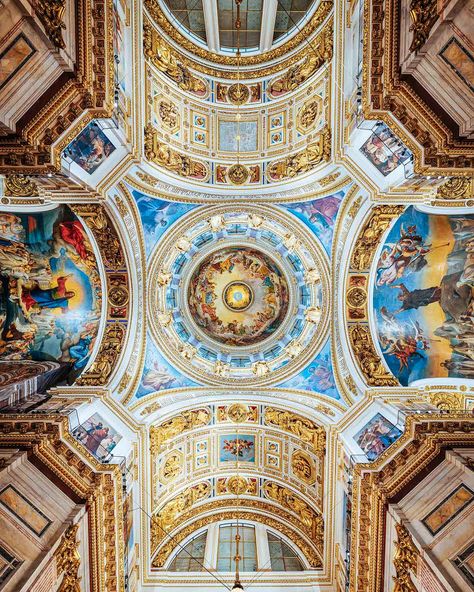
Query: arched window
x,y
282,556
226,548
191,556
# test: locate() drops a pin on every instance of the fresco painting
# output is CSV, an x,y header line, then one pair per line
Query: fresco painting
x,y
97,436
238,296
384,150
237,447
90,148
423,297
320,215
157,216
318,376
376,436
158,375
50,290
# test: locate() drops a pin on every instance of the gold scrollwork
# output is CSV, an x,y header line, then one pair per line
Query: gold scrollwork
x,y
367,358
185,421
110,349
304,428
161,56
51,13
303,467
171,160
447,401
68,560
405,560
424,14
371,233
310,519
456,188
302,161
167,516
20,186
296,75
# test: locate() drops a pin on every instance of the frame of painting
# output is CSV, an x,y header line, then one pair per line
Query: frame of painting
x,y
22,62
22,517
438,510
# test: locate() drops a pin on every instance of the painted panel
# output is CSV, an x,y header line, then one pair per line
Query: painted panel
x,y
384,150
235,447
97,436
90,149
320,216
14,57
460,60
24,510
448,509
376,436
423,297
50,289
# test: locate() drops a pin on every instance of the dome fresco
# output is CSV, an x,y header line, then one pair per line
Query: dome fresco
x,y
238,296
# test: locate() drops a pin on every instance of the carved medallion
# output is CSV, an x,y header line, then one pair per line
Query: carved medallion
x,y
238,174
238,93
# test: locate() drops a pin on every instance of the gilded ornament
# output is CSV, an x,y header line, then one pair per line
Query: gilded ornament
x,y
168,514
172,466
405,561
155,10
367,358
312,276
303,467
160,54
301,427
99,222
236,485
68,561
107,357
313,314
174,162
151,408
356,297
220,368
51,14
164,278
325,181
238,93
169,115
324,409
456,188
310,519
447,401
185,421
371,234
320,53
118,290
293,349
302,161
308,115
260,368
424,14
238,412
238,174
20,186
255,220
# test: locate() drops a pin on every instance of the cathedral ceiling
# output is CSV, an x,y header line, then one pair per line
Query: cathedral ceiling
x,y
241,263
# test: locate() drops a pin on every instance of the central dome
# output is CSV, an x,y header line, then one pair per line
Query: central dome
x,y
238,296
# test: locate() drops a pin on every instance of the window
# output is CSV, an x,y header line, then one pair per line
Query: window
x,y
247,548
191,557
282,556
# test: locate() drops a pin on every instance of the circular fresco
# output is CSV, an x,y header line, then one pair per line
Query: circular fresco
x,y
238,296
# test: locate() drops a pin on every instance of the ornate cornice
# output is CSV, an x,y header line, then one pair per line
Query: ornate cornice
x,y
390,98
91,88
375,485
100,487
